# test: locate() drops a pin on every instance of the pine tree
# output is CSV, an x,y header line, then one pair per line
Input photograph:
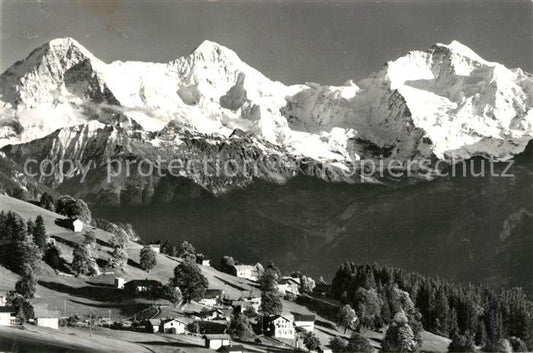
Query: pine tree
x,y
368,307
52,256
25,253
268,281
481,334
441,312
26,286
23,308
39,234
240,328
274,268
271,303
30,225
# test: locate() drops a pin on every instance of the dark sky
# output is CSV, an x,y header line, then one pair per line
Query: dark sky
x,y
327,42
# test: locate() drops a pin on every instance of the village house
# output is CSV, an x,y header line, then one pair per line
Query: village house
x,y
143,287
254,300
203,262
216,341
50,321
76,224
156,248
231,349
247,272
119,282
214,314
305,322
174,326
212,297
243,305
152,325
7,316
3,297
247,301
212,327
278,326
289,285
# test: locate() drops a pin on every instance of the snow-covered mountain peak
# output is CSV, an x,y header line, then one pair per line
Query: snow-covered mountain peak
x,y
67,43
443,101
459,49
214,52
48,73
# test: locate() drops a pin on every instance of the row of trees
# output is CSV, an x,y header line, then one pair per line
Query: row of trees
x,y
24,244
465,313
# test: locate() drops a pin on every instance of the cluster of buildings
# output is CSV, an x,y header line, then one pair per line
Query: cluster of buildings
x,y
42,316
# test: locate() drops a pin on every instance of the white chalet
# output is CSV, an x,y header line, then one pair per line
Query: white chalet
x,y
119,282
289,285
247,272
7,316
279,327
174,326
76,224
216,341
305,322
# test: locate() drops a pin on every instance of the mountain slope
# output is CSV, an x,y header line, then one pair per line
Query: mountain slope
x,y
462,228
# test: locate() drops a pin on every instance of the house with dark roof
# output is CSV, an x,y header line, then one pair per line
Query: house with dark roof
x,y
215,341
212,297
289,285
143,287
74,224
247,301
7,316
305,322
279,326
152,325
214,314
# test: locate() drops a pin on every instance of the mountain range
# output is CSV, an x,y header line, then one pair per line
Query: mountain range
x,y
441,104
